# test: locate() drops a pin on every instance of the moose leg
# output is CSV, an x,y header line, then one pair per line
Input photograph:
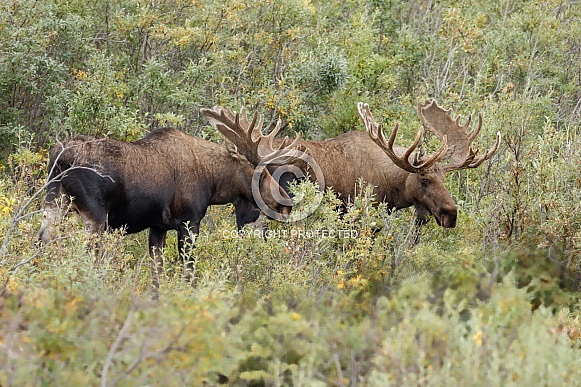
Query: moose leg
x,y
94,220
89,201
55,204
94,229
156,245
421,219
186,245
247,213
417,230
48,217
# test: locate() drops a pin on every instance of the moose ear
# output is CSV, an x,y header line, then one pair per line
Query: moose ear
x,y
233,149
418,157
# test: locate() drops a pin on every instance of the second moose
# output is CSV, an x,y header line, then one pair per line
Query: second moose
x,y
401,177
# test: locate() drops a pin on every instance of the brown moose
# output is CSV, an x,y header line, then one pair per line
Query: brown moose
x,y
401,177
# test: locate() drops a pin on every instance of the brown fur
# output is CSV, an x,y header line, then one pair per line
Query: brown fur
x,y
162,182
353,155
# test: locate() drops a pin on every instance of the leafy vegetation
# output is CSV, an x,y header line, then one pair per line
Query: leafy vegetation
x,y
329,300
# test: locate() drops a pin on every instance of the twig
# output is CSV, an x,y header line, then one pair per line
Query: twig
x,y
19,215
121,336
15,270
17,267
146,354
339,369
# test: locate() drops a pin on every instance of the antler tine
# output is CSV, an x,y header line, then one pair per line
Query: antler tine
x,y
287,143
474,161
414,145
376,134
440,122
247,135
286,150
247,128
437,156
225,118
476,130
236,124
489,153
276,129
224,112
466,124
273,134
253,129
242,119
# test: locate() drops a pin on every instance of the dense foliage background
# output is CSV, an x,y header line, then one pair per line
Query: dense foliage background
x,y
493,302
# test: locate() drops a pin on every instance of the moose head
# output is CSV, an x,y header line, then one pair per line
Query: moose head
x,y
247,138
419,178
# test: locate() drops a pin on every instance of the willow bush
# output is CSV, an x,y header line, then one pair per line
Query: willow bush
x,y
492,302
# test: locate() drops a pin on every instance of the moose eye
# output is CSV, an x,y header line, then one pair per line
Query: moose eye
x,y
425,181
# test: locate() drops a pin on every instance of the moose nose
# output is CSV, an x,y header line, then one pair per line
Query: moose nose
x,y
284,211
448,217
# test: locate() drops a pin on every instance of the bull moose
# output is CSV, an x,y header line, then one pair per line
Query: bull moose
x,y
165,181
401,177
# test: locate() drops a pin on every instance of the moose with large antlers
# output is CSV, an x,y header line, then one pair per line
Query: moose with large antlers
x,y
421,180
402,177
165,181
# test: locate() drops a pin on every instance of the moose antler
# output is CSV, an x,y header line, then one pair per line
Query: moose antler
x,y
440,122
376,134
247,136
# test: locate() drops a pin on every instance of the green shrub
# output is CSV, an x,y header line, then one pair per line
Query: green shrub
x,y
492,302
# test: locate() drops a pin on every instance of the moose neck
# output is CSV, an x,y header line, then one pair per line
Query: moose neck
x,y
232,180
395,192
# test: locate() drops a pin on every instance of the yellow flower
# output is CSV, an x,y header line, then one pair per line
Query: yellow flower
x,y
81,75
295,316
6,205
477,337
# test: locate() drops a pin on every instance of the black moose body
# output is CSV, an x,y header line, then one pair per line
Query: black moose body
x,y
165,181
